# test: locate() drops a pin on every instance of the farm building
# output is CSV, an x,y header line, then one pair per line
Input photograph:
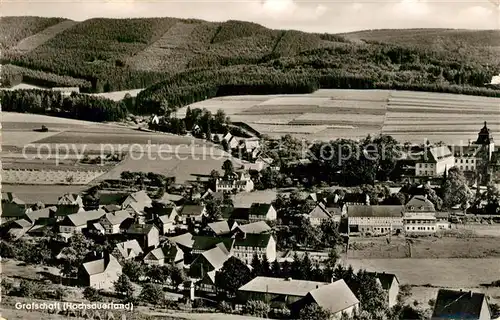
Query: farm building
x,y
380,219
277,292
193,213
204,243
207,264
9,197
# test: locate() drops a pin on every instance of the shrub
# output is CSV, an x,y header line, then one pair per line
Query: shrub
x,y
225,307
28,289
257,308
151,293
91,294
7,286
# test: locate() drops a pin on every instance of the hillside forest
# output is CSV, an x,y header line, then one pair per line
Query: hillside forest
x,y
234,57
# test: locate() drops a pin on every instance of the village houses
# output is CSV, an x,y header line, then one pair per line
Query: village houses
x,y
112,221
165,255
77,222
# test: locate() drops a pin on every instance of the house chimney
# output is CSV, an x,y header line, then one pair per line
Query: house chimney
x,y
470,294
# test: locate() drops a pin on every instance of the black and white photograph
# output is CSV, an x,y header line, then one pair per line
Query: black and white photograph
x,y
250,159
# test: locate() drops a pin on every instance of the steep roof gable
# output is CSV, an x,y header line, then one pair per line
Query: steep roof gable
x,y
335,296
458,304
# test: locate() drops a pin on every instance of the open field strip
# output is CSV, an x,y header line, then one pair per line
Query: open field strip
x,y
118,95
171,47
17,138
395,94
284,129
339,118
347,94
48,194
185,167
265,119
36,40
437,272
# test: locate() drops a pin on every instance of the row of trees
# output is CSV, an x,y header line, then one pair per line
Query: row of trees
x,y
76,106
13,75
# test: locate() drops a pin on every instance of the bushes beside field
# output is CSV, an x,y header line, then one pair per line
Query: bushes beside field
x,y
77,106
13,75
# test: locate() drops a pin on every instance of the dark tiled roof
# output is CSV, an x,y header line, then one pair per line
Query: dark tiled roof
x,y
140,228
12,210
236,213
253,240
259,209
453,304
192,210
375,211
66,209
419,203
206,243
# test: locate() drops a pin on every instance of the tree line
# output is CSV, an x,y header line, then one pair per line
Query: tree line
x,y
76,106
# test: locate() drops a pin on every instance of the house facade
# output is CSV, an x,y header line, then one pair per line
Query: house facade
x,y
112,221
147,235
249,245
75,223
239,182
420,216
390,284
262,212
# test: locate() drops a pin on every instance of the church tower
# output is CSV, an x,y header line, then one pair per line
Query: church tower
x,y
485,139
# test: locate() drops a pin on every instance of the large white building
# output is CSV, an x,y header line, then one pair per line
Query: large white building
x,y
434,162
420,216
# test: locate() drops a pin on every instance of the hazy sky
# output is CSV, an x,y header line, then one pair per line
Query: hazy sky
x,y
328,16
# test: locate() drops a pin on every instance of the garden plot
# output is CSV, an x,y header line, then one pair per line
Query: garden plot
x,y
43,177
